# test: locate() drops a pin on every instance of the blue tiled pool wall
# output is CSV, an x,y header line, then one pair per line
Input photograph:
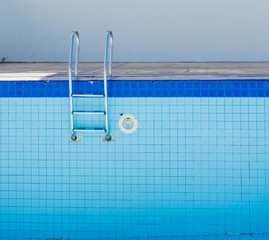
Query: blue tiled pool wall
x,y
139,88
196,165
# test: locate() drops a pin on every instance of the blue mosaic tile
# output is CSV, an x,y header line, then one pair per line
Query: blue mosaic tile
x,y
138,88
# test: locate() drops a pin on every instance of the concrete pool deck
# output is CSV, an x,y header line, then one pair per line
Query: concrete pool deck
x,y
134,71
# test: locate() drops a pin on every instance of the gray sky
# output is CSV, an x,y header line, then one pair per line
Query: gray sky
x,y
144,30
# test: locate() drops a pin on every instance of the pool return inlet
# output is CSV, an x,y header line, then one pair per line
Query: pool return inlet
x,y
74,137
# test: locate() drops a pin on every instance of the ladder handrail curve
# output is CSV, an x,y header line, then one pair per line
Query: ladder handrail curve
x,y
73,35
108,48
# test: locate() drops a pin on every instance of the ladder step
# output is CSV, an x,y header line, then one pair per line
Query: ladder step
x,y
88,95
90,112
89,130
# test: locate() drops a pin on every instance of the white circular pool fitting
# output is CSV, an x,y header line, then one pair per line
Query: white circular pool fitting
x,y
128,123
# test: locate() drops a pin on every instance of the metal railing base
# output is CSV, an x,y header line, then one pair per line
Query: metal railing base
x,y
77,138
110,139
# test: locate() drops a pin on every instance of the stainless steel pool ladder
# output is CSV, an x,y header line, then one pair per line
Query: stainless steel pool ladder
x,y
108,57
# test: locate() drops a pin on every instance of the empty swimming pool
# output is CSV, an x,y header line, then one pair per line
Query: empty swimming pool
x,y
195,168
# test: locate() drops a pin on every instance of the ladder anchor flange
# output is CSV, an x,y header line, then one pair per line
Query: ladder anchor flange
x,y
77,138
109,139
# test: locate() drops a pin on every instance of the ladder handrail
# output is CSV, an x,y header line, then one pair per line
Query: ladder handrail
x,y
108,48
73,35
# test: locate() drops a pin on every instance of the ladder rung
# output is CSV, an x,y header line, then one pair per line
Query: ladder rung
x,y
89,130
90,112
88,95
